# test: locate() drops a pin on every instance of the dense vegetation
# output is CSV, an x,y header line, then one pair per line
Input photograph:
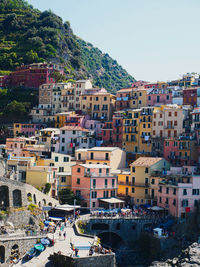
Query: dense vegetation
x,y
28,35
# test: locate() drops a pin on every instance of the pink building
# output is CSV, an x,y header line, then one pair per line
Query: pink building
x,y
179,194
95,126
15,146
76,120
159,96
93,183
181,151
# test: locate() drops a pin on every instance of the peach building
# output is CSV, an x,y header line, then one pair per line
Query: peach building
x,y
111,156
93,183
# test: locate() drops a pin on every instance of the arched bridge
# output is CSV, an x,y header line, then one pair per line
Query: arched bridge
x,y
128,229
17,194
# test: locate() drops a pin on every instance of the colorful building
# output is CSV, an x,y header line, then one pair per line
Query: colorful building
x,y
27,129
99,106
33,75
111,156
141,171
137,128
159,96
179,194
190,96
93,183
181,151
74,137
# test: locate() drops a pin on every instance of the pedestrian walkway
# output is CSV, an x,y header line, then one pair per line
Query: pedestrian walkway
x,y
60,245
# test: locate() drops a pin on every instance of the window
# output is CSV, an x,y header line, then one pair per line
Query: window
x,y
133,180
66,159
107,156
140,102
167,201
144,125
97,99
107,171
160,116
78,181
153,181
92,155
73,132
105,98
63,179
175,113
127,138
106,183
113,182
149,97
126,191
127,179
146,170
174,191
184,203
160,189
94,194
100,171
93,204
62,148
133,169
196,202
167,97
174,202
78,169
78,193
105,194
56,159
63,140
175,123
63,132
160,200
133,190
167,190
146,181
184,192
94,183
195,191
146,191
61,169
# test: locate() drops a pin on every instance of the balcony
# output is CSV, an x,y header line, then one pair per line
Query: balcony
x,y
141,184
125,183
169,126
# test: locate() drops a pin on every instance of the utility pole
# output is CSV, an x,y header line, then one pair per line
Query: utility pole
x,y
74,208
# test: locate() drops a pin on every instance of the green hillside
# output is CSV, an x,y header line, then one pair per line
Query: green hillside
x,y
28,35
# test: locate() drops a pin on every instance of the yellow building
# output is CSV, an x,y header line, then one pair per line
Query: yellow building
x,y
60,118
141,171
99,105
139,98
137,127
38,176
124,183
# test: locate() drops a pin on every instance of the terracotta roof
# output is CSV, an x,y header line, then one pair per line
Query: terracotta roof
x,y
146,161
74,128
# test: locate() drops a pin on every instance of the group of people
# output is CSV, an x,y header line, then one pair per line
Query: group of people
x,y
99,249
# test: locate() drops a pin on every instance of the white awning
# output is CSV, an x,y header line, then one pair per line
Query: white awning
x,y
112,200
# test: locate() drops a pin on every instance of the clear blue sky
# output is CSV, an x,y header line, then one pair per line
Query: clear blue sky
x,y
152,39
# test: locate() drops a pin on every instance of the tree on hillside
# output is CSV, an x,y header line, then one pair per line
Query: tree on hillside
x,y
15,109
58,77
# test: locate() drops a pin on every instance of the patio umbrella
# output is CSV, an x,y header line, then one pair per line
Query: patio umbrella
x,y
45,241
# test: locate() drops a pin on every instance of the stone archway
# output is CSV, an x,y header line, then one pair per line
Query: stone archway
x,y
2,254
29,197
34,199
39,204
4,197
44,202
17,198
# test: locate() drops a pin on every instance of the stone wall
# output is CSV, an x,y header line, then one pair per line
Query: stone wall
x,y
24,244
90,261
23,217
128,230
14,194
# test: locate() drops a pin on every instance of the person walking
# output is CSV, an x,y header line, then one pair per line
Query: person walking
x,y
59,235
64,235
